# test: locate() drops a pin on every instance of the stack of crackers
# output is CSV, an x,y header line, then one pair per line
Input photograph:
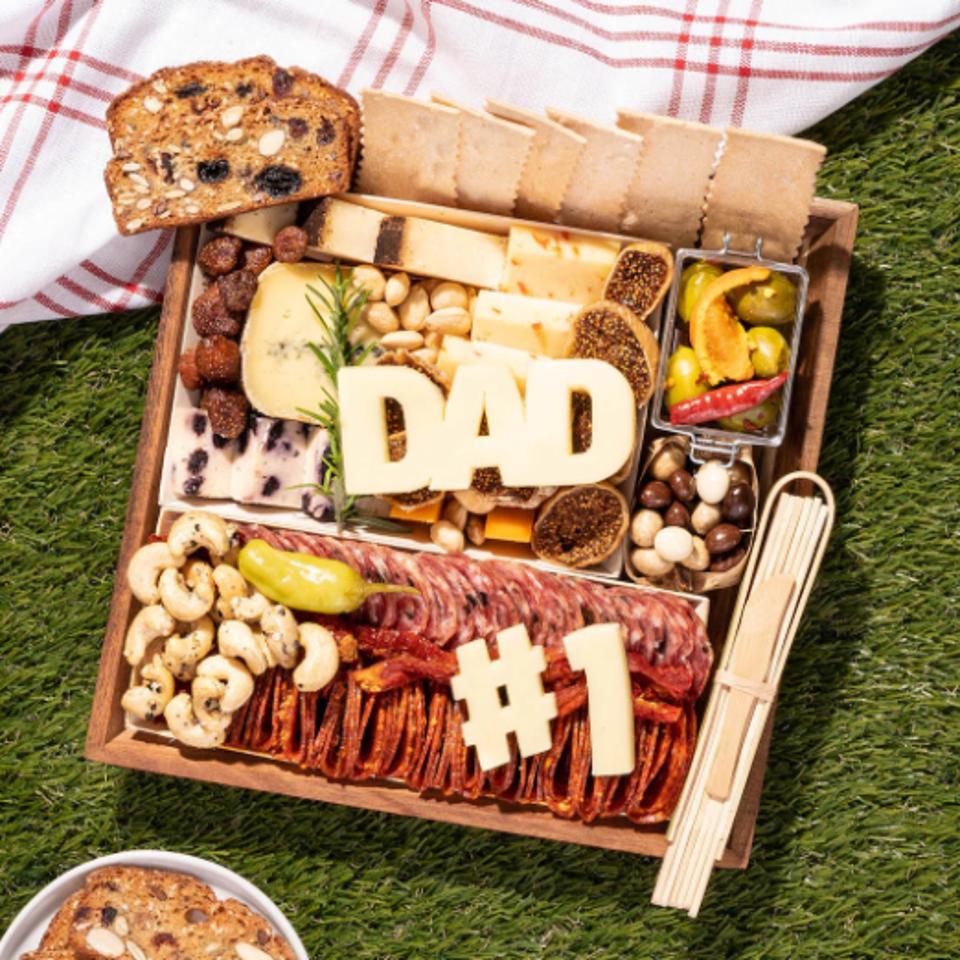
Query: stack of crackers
x,y
132,913
649,176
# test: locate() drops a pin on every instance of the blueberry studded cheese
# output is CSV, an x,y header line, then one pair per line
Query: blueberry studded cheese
x,y
312,501
201,462
273,464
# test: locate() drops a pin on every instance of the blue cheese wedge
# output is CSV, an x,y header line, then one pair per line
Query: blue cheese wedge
x,y
281,375
201,463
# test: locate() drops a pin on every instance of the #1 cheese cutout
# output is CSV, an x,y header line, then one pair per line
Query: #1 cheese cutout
x,y
531,446
528,710
599,650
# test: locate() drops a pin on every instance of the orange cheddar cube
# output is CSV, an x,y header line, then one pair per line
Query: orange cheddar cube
x,y
509,523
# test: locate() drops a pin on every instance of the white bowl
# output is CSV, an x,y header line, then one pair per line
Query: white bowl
x,y
26,930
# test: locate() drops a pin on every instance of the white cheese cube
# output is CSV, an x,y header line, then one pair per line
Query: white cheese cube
x,y
531,324
455,352
557,264
201,464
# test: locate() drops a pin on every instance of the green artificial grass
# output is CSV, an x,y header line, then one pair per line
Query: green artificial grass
x,y
858,840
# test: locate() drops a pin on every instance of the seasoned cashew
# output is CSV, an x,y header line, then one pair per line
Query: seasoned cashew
x,y
148,700
230,583
183,652
196,530
320,664
239,682
188,595
149,624
145,567
186,727
207,695
281,634
236,639
249,608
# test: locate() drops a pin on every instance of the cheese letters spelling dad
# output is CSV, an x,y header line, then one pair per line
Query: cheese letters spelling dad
x,y
528,438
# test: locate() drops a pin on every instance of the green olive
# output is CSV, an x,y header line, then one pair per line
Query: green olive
x,y
769,352
685,379
773,300
693,281
755,419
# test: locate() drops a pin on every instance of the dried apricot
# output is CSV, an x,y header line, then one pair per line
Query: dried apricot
x,y
187,367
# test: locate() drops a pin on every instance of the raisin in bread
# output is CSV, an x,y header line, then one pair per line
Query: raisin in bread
x,y
196,142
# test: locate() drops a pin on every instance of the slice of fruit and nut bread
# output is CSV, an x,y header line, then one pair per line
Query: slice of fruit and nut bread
x,y
197,142
136,913
57,935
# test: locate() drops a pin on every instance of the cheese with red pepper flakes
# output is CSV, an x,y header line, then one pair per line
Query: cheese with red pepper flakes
x,y
557,264
531,324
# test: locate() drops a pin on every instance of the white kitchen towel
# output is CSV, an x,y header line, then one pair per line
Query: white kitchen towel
x,y
763,64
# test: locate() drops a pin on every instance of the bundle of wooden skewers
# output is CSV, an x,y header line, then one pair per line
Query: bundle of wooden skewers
x,y
790,543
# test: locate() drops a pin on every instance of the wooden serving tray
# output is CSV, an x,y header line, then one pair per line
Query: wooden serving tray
x,y
828,250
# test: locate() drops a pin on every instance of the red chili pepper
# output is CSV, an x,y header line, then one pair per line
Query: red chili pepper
x,y
726,401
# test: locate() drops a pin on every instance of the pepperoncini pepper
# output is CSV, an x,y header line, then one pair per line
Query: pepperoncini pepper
x,y
305,582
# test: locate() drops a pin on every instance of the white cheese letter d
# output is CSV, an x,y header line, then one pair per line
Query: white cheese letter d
x,y
550,384
368,468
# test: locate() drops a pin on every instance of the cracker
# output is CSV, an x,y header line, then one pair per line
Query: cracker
x,y
554,154
763,187
491,156
597,191
409,148
666,199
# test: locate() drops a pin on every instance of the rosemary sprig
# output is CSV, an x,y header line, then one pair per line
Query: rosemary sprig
x,y
343,303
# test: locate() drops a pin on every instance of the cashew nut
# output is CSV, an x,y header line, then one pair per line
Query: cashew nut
x,y
236,639
239,682
186,727
183,652
230,583
249,608
320,664
207,695
144,570
188,595
196,530
148,700
149,624
281,634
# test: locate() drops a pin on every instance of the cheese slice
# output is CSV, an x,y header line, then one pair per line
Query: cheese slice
x,y
261,226
557,264
281,375
509,523
456,351
337,228
528,324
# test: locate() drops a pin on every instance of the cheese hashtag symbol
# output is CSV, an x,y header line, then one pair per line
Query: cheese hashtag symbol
x,y
528,710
